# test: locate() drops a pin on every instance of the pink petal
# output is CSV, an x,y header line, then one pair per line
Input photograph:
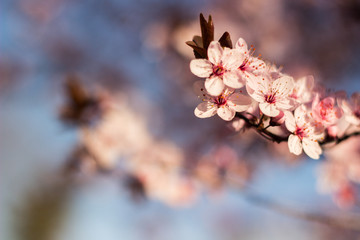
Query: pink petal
x,y
304,87
205,110
215,52
257,96
352,119
290,122
232,58
300,113
312,148
269,109
283,86
284,104
257,87
226,113
201,67
214,86
239,102
233,79
294,144
242,46
257,66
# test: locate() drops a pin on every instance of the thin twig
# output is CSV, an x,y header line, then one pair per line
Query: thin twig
x,y
265,133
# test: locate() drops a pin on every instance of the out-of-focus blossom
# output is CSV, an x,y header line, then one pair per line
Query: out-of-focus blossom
x,y
303,90
351,109
337,175
345,197
251,65
220,69
331,177
225,105
159,169
272,95
222,166
237,124
278,120
120,133
325,111
303,134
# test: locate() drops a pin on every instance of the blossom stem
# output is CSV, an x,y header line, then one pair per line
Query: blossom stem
x,y
277,138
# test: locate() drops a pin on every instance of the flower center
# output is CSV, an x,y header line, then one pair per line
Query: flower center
x,y
218,70
300,132
326,110
270,98
243,66
357,113
220,100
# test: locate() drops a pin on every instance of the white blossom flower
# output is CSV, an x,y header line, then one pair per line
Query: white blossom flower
x,y
325,112
225,105
352,109
250,65
220,69
273,96
302,92
303,134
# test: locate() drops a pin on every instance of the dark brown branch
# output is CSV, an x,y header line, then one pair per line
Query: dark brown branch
x,y
264,132
341,139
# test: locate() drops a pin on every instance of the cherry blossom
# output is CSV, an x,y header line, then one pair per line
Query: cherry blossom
x,y
303,133
272,95
302,92
250,65
225,105
352,109
219,69
325,112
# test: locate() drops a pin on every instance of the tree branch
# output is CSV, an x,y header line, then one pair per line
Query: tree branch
x,y
348,222
265,133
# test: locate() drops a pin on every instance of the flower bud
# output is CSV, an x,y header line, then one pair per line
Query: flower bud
x,y
278,120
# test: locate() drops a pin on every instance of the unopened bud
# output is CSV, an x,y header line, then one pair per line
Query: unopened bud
x,y
278,120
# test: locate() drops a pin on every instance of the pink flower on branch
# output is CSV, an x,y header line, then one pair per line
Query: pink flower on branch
x,y
225,105
302,92
325,112
272,95
352,109
251,65
220,69
303,134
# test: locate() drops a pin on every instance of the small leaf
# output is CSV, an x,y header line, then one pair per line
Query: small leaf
x,y
207,30
198,51
225,40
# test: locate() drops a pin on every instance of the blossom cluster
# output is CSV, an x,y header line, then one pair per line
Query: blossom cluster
x,y
238,84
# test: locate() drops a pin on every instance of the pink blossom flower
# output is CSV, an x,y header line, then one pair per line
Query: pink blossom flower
x,y
303,133
250,65
237,124
273,96
278,120
352,109
302,92
332,176
345,197
220,69
225,105
325,112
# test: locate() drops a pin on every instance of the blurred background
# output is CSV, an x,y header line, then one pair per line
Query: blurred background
x,y
135,52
